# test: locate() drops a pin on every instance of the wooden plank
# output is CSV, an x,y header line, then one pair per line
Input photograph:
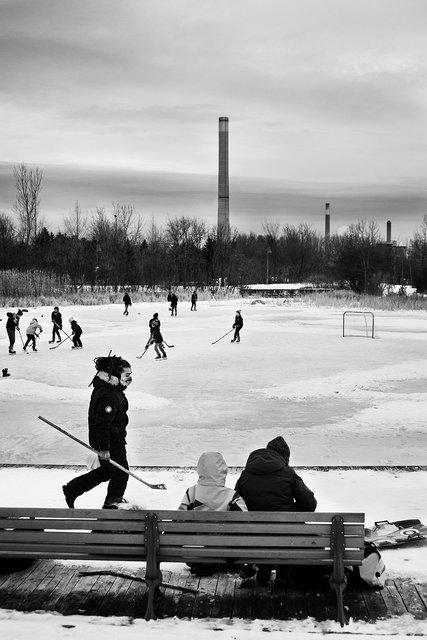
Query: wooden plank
x,y
243,594
43,524
205,600
65,576
55,538
411,598
42,591
131,605
72,514
317,606
259,528
354,603
393,600
250,540
223,605
72,596
262,605
375,603
422,592
186,601
26,586
11,581
256,516
241,555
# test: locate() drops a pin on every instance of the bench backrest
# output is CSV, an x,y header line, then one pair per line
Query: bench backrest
x,y
190,536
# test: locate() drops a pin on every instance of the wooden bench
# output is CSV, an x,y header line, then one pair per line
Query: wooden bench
x,y
269,537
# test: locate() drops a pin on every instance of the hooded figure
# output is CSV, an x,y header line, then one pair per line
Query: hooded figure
x,y
268,483
210,494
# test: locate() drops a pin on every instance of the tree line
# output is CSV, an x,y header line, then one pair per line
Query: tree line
x,y
116,248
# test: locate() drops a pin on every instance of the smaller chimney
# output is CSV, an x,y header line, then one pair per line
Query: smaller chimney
x,y
388,232
327,222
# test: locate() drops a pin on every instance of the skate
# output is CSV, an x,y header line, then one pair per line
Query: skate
x,y
11,351
232,340
50,341
34,349
158,358
164,357
5,373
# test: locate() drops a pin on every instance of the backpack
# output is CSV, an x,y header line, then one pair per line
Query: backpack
x,y
371,572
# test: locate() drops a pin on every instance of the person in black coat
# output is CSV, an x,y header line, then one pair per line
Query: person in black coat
x,y
107,420
193,301
127,302
12,325
76,332
268,483
56,318
238,324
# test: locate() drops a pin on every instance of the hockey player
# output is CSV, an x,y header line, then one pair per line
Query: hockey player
x,y
193,301
107,419
56,318
76,332
127,302
238,324
33,331
157,337
12,325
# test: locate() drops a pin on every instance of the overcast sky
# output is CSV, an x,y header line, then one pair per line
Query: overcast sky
x,y
118,101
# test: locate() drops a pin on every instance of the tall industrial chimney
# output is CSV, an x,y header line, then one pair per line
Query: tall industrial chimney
x,y
327,223
388,232
223,193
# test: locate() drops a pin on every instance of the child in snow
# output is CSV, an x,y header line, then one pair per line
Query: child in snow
x,y
76,332
33,331
211,494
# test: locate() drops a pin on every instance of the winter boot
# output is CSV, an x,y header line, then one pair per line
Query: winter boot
x,y
165,356
5,373
11,350
158,358
50,341
69,496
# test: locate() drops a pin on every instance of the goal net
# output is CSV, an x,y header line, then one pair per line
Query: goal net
x,y
358,324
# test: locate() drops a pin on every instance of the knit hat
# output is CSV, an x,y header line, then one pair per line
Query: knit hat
x,y
279,444
71,319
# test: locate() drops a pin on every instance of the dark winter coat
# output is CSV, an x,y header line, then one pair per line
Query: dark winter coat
x,y
238,322
76,329
107,416
268,483
127,300
12,320
154,325
57,318
174,300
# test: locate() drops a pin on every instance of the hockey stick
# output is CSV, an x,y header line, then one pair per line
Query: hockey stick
x,y
62,341
20,335
225,334
168,345
115,464
147,346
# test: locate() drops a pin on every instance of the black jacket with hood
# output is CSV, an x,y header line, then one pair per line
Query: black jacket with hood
x,y
268,483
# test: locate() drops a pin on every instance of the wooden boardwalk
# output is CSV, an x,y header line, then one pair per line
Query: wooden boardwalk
x,y
48,585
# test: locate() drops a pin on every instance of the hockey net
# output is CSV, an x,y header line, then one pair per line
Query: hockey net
x,y
359,324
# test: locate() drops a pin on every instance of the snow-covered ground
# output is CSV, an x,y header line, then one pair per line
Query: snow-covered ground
x,y
337,401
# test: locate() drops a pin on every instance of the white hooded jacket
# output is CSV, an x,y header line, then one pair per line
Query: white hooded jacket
x,y
210,494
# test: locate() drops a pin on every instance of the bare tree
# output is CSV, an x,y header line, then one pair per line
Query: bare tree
x,y
76,225
28,184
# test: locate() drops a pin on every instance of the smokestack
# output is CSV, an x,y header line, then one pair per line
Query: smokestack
x,y
223,193
327,222
388,232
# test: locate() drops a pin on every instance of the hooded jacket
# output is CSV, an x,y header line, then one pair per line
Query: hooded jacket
x,y
33,327
107,415
268,483
210,494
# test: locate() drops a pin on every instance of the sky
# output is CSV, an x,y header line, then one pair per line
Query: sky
x,y
118,101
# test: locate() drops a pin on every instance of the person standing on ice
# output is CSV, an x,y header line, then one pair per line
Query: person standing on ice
x,y
210,494
107,419
76,332
268,483
127,302
238,324
33,331
193,301
157,337
56,318
12,325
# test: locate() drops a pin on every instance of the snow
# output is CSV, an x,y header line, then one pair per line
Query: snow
x,y
353,401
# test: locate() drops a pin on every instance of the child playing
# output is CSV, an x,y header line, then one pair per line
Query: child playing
x,y
33,331
76,332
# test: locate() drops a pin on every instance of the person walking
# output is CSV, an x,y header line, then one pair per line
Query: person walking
x,y
56,318
127,302
107,422
193,301
238,324
156,337
210,494
76,332
12,325
268,483
33,331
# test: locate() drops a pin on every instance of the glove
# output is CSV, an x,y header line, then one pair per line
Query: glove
x,y
104,455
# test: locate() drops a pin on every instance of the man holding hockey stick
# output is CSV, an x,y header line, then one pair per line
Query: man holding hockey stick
x,y
107,432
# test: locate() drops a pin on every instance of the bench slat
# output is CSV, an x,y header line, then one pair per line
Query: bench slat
x,y
56,524
252,540
256,516
247,528
170,554
70,537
